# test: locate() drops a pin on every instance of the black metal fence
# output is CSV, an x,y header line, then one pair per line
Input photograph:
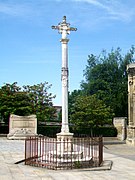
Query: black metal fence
x,y
64,154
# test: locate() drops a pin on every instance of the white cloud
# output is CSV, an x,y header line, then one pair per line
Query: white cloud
x,y
115,9
85,13
14,9
94,2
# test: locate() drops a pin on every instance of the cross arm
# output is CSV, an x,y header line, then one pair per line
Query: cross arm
x,y
55,27
73,29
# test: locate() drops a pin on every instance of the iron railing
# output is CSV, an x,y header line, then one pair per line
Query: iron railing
x,y
64,154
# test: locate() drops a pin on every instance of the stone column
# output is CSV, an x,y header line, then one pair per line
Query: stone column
x,y
131,104
64,29
64,79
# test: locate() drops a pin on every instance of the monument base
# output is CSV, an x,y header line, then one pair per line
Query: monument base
x,y
64,142
68,159
68,153
21,127
20,134
65,135
131,135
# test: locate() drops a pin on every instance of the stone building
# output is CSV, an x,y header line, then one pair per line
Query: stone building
x,y
131,104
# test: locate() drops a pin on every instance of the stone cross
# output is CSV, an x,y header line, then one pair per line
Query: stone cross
x,y
64,29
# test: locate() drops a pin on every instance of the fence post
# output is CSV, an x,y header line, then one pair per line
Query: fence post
x,y
100,150
25,150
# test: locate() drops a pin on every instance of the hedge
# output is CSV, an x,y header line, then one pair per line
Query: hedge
x,y
97,131
51,131
4,129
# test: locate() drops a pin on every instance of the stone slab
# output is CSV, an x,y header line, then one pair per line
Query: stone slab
x,y
21,127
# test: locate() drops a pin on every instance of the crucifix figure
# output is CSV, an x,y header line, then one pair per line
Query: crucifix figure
x,y
64,29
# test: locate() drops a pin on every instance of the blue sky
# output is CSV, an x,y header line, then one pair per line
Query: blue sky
x,y
30,51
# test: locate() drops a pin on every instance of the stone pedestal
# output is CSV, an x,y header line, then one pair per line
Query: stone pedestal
x,y
121,125
64,142
21,127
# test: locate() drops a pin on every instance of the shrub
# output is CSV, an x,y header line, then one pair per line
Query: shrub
x,y
51,131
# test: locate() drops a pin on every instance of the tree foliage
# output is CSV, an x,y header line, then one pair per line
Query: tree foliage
x,y
106,76
89,112
13,101
27,100
71,101
41,100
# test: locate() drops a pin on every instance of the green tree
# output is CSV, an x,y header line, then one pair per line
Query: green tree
x,y
41,100
90,112
13,101
71,101
106,76
31,100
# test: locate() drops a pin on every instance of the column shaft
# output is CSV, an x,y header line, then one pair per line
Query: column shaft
x,y
64,78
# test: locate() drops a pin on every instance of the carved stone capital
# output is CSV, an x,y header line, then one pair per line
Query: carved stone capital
x,y
131,69
64,41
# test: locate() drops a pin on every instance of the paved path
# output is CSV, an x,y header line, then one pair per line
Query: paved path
x,y
11,151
